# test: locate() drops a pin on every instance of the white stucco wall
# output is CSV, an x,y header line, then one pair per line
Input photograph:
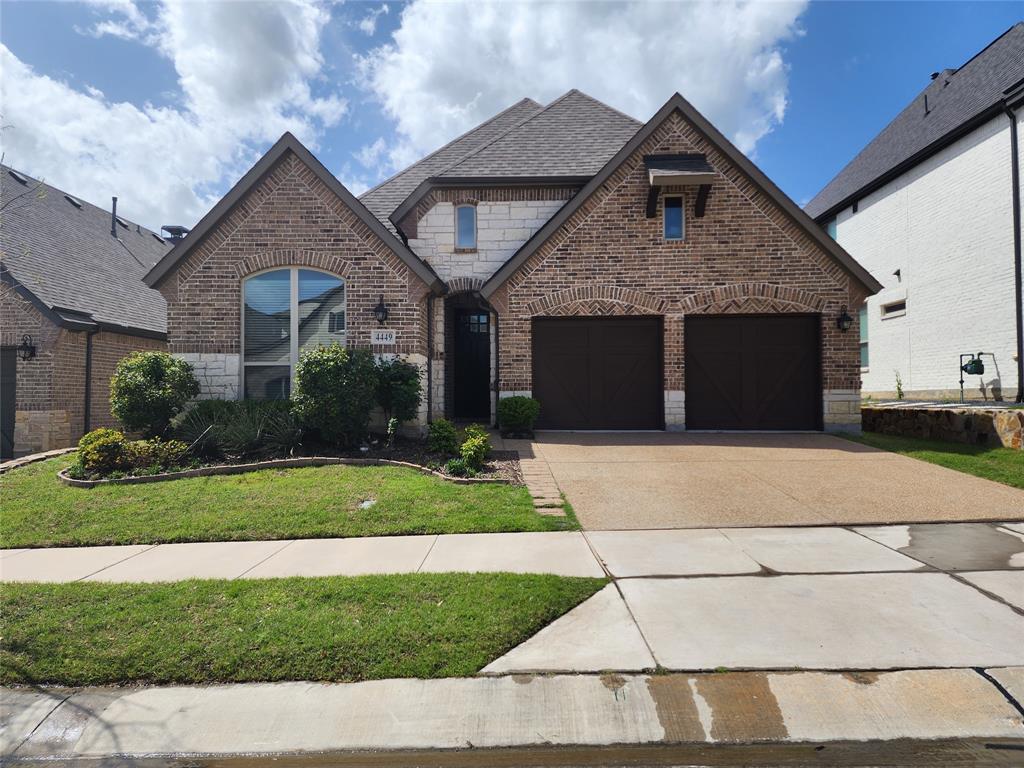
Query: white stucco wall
x,y
501,228
947,226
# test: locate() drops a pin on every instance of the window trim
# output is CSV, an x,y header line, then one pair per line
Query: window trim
x,y
887,313
682,218
293,321
476,231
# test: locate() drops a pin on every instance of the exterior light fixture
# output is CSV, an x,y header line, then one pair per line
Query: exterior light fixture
x,y
26,350
381,311
844,322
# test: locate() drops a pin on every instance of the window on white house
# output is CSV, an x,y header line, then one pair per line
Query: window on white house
x,y
863,323
673,215
894,309
285,312
830,227
465,226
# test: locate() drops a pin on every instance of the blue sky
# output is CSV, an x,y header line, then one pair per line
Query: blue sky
x,y
167,104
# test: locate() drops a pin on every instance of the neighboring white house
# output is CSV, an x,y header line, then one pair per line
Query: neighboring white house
x,y
928,208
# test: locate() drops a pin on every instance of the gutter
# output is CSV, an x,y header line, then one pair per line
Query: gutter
x,y
430,358
87,410
1019,303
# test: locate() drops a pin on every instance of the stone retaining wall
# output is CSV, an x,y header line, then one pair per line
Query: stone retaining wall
x,y
978,426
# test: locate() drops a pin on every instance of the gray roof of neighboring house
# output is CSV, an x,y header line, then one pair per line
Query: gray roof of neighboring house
x,y
388,195
575,135
956,98
66,257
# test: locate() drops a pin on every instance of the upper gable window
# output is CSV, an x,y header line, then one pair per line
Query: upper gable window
x,y
465,226
674,226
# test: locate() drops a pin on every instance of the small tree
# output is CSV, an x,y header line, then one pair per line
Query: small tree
x,y
335,390
398,389
148,389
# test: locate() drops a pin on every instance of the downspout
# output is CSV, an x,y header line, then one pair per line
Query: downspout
x,y
430,358
497,367
1015,176
87,410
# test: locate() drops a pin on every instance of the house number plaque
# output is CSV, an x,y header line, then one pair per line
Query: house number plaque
x,y
381,336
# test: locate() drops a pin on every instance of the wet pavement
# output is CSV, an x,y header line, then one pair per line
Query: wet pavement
x,y
952,546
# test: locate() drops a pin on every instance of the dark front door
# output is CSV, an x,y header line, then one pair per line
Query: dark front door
x,y
753,372
472,396
8,380
598,372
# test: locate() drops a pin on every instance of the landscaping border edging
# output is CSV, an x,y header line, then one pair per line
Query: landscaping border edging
x,y
238,469
32,458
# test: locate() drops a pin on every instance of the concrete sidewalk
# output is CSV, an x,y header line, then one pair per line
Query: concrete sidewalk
x,y
722,708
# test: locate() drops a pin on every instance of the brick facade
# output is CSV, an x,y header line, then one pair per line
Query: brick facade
x,y
289,218
743,256
50,388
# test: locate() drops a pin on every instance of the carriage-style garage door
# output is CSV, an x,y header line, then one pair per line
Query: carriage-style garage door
x,y
598,372
753,372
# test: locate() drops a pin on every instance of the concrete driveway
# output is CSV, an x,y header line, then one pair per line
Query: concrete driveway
x,y
618,481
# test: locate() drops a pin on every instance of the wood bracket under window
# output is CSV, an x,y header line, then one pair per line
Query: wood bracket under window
x,y
652,202
702,200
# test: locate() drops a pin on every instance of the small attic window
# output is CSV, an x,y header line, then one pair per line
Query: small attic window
x,y
73,201
18,177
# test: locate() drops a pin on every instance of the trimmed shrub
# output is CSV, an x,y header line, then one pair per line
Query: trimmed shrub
x,y
398,389
103,451
155,455
442,438
474,451
458,468
335,390
517,415
148,389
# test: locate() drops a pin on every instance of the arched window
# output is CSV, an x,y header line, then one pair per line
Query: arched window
x,y
285,311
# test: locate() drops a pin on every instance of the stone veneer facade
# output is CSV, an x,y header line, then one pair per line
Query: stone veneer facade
x,y
743,256
50,388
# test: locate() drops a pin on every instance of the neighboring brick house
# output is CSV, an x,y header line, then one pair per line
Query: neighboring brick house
x,y
72,304
931,207
628,275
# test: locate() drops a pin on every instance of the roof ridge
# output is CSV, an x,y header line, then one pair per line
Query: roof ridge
x,y
505,133
82,200
523,122
457,139
1004,34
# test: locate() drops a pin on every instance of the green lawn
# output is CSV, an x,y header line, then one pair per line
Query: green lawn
x,y
1004,465
39,510
336,628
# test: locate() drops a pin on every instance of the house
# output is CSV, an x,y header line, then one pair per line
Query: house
x,y
931,206
628,275
72,304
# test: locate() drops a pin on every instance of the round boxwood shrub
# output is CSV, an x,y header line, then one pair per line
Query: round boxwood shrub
x,y
517,415
335,390
103,451
442,438
148,389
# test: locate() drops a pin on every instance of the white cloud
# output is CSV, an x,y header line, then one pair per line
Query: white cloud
x,y
368,24
449,66
246,74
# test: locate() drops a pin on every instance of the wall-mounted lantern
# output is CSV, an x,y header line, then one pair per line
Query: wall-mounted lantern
x,y
26,350
381,311
844,322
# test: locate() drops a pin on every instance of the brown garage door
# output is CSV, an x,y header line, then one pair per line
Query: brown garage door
x,y
753,372
598,372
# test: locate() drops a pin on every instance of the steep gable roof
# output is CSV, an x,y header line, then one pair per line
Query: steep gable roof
x,y
957,100
572,136
288,143
737,158
60,249
384,198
